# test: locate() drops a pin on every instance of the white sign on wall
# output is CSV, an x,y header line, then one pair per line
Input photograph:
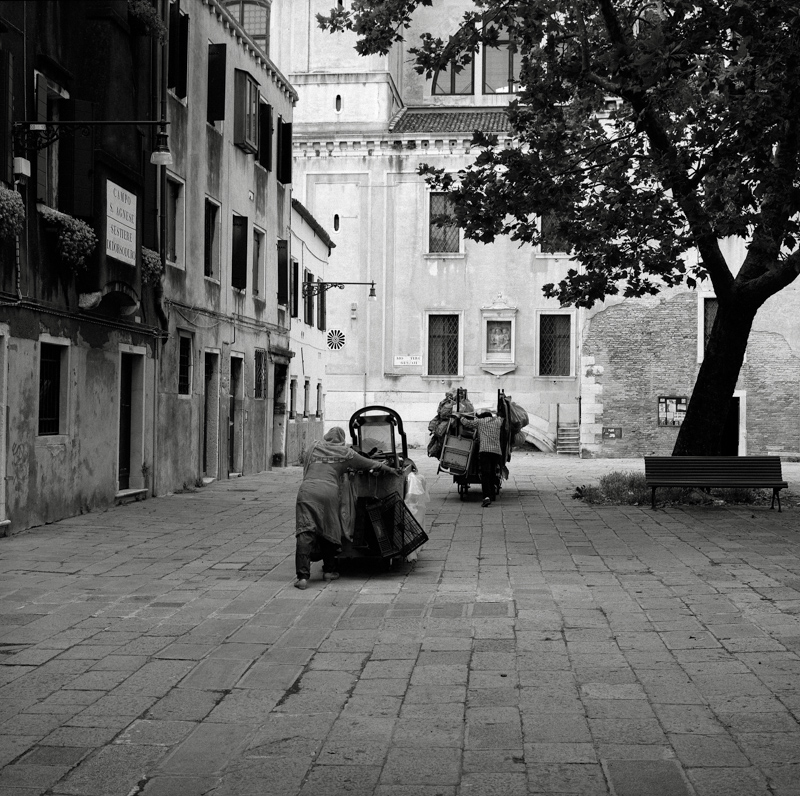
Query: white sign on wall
x,y
407,361
120,223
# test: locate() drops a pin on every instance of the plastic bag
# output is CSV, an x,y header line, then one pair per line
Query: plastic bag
x,y
417,498
517,417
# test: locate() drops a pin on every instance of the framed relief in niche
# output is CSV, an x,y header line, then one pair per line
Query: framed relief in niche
x,y
498,332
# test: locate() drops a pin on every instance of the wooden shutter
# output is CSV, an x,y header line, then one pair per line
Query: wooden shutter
x,y
76,161
217,57
41,156
295,289
283,272
6,115
178,50
284,152
239,252
265,136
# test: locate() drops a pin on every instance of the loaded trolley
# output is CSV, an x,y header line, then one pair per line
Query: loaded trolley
x,y
380,524
460,448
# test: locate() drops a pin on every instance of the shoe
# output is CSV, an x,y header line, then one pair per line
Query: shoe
x,y
486,501
301,583
330,575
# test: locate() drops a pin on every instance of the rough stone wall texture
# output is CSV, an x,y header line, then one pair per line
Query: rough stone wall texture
x,y
638,350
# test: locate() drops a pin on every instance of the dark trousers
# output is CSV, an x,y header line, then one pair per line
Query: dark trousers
x,y
490,464
311,547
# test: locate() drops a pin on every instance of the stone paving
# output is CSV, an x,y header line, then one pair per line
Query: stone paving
x,y
539,646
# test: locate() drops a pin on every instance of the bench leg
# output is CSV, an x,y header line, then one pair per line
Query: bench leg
x,y
776,493
654,498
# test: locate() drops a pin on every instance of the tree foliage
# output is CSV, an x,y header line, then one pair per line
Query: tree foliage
x,y
644,129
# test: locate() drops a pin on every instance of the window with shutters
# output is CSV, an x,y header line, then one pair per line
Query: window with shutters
x,y
444,344
175,222
217,57
443,233
178,67
260,379
257,259
6,115
308,298
555,344
239,252
283,273
49,96
321,308
293,398
211,240
284,154
246,112
184,363
306,397
53,386
265,136
294,288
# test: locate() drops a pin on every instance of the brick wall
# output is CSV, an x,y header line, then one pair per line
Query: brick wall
x,y
638,350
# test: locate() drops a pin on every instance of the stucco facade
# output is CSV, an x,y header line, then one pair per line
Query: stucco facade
x,y
363,126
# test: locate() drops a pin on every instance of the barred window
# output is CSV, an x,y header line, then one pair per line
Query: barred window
x,y
261,373
443,230
554,345
185,365
443,345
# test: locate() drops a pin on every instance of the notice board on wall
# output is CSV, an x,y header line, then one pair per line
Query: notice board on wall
x,y
672,409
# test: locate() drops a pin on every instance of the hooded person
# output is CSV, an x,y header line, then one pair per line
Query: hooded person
x,y
318,519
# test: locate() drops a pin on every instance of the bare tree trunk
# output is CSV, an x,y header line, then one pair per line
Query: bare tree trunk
x,y
701,431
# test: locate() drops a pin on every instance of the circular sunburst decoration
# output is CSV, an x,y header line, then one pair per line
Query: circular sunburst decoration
x,y
336,339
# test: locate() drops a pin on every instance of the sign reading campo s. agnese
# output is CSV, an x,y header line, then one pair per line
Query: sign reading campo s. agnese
x,y
120,223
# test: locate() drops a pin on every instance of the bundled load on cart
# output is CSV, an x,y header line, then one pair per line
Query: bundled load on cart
x,y
383,517
455,439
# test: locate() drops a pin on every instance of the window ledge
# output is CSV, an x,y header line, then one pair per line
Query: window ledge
x,y
175,264
555,378
240,290
428,377
444,256
53,440
211,279
553,256
260,300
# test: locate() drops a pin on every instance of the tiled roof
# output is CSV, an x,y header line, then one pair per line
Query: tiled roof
x,y
451,120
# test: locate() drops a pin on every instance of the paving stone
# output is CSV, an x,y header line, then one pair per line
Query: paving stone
x,y
707,750
728,781
651,777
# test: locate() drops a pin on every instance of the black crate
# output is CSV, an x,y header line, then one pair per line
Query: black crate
x,y
397,533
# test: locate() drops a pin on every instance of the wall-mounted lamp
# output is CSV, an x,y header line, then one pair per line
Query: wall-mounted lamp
x,y
315,288
40,135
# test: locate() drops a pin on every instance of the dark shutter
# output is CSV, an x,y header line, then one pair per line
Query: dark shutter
x,y
265,136
239,252
76,161
284,152
216,82
41,156
178,50
295,292
283,272
6,115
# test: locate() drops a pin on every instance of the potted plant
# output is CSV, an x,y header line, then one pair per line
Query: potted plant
x,y
144,15
75,239
152,267
12,213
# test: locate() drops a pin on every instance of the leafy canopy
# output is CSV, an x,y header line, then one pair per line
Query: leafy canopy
x,y
641,128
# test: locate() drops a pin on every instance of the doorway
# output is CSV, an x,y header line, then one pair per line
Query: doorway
x,y
130,440
731,443
211,416
235,417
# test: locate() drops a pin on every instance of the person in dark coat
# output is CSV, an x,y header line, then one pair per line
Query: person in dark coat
x,y
318,519
490,452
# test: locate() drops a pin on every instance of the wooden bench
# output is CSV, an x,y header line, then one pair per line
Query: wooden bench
x,y
706,472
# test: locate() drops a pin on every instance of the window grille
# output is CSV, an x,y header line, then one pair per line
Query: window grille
x,y
444,235
49,388
443,345
261,373
185,366
554,345
710,306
